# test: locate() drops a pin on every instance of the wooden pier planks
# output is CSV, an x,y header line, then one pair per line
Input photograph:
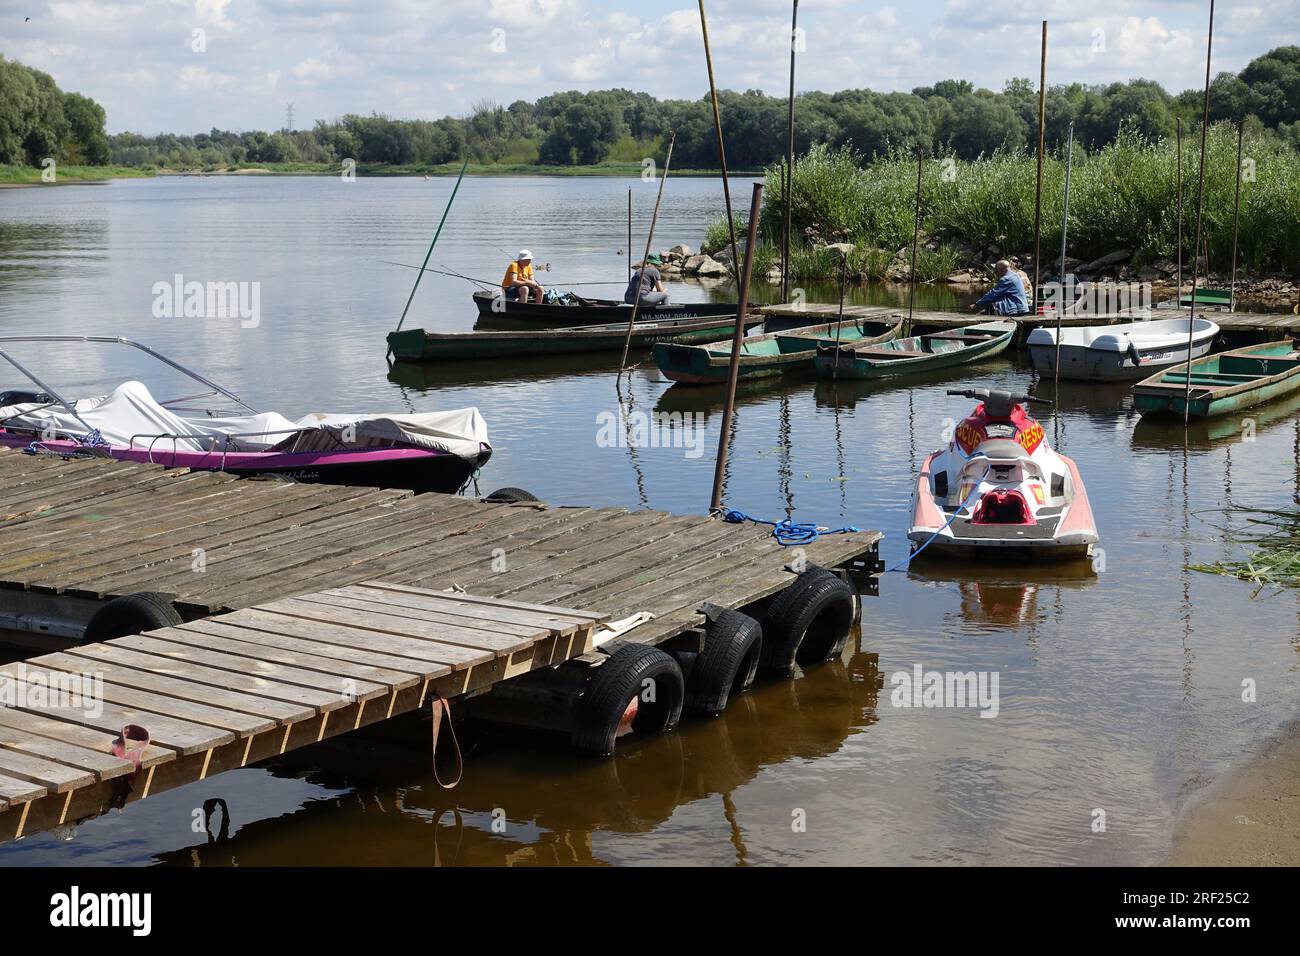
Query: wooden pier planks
x,y
221,693
99,529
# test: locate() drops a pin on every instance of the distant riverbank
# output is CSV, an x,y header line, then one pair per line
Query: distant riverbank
x,y
31,175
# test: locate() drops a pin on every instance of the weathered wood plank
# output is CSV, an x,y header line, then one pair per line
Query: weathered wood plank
x,y
38,728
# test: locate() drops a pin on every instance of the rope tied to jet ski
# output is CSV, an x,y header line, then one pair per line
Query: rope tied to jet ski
x,y
786,531
958,510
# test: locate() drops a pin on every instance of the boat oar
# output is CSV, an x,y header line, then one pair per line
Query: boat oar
x,y
441,222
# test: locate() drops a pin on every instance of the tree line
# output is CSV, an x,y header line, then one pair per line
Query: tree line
x,y
621,126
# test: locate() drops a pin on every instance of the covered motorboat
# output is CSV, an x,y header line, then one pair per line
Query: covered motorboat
x,y
1119,352
435,451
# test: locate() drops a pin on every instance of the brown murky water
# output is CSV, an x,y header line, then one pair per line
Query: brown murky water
x,y
1119,691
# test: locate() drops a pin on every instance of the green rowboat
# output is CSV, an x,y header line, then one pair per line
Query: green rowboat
x,y
423,346
1222,383
761,356
920,353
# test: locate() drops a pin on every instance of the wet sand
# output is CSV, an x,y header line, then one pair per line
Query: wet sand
x,y
1248,817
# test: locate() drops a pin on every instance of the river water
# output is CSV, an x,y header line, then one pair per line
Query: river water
x,y
1120,691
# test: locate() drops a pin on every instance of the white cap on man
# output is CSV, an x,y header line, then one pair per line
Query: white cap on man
x,y
524,256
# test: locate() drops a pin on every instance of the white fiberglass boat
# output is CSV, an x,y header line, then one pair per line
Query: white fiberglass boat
x,y
1119,352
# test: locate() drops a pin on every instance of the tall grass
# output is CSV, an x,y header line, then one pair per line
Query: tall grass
x,y
1121,197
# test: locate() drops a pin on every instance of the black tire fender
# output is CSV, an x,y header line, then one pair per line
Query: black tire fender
x,y
809,621
511,496
131,614
633,671
726,665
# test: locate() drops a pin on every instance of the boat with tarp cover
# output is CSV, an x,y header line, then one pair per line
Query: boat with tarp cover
x,y
432,451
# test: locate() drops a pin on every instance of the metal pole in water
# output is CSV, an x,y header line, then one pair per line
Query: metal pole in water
x,y
420,275
1178,185
733,372
1236,220
1200,207
1065,231
722,150
629,234
1038,188
650,236
916,237
788,182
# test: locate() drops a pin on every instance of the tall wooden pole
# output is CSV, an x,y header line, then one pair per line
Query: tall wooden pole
x,y
629,234
1200,208
733,372
916,238
1065,230
722,150
1178,201
650,237
1038,188
788,183
1236,221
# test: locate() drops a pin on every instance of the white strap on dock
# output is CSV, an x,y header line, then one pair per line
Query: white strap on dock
x,y
612,629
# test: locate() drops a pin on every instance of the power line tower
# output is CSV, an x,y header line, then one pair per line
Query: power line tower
x,y
288,118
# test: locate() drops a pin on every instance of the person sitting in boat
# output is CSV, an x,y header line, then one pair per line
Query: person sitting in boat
x,y
519,282
1007,297
651,283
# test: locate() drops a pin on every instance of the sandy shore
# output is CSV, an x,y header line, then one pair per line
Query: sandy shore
x,y
1248,817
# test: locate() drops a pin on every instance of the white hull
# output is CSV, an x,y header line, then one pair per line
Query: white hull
x,y
1114,353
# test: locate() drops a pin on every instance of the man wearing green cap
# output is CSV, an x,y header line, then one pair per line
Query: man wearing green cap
x,y
650,283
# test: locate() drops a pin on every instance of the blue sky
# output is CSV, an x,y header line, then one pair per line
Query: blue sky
x,y
144,61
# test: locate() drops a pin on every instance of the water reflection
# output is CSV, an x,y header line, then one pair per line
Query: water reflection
x,y
503,814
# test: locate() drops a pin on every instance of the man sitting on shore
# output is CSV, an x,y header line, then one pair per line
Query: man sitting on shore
x,y
652,286
519,282
1007,297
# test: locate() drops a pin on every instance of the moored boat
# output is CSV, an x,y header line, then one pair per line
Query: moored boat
x,y
916,354
497,312
1118,352
1222,383
424,346
434,451
771,354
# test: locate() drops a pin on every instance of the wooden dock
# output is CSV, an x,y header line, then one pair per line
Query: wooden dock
x,y
223,693
311,610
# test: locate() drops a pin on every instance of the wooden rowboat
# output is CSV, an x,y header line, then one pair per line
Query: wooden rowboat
x,y
776,353
1222,383
496,312
422,346
920,353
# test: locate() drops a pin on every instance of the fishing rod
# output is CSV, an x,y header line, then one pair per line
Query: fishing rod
x,y
482,282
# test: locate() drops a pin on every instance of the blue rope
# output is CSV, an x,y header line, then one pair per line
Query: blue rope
x,y
93,440
786,531
902,564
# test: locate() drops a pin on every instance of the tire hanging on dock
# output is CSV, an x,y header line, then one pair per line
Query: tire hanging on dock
x,y
726,665
808,622
511,496
131,614
639,688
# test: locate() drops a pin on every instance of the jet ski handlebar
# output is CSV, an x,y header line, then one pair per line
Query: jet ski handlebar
x,y
997,396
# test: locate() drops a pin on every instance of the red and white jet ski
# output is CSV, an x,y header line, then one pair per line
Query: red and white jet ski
x,y
999,484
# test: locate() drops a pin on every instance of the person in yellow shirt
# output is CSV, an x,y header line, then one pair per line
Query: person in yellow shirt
x,y
519,283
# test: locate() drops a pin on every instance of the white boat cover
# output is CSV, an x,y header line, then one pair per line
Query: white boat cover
x,y
129,414
1157,334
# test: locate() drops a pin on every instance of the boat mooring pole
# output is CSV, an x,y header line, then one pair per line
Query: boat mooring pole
x,y
1200,208
916,238
1038,188
1178,201
733,371
788,184
420,275
649,239
722,150
839,322
629,234
1236,220
1065,231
